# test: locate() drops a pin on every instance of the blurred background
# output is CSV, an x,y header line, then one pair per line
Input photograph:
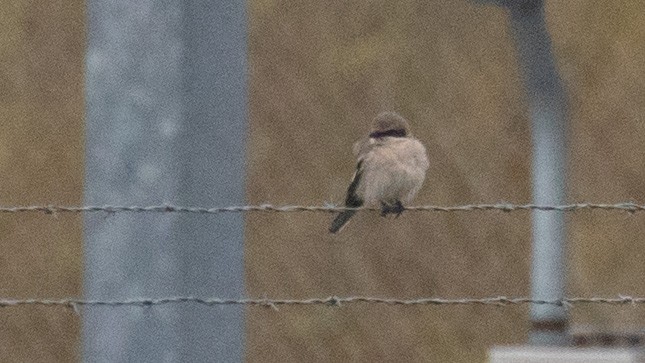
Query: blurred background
x,y
318,73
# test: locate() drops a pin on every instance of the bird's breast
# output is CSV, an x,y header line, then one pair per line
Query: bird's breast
x,y
393,171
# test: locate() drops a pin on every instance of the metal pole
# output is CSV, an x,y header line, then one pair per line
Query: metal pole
x,y
166,123
548,109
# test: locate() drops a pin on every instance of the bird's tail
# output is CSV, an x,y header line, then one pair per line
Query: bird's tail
x,y
341,220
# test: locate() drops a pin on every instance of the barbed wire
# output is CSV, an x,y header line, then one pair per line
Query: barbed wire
x,y
56,209
329,301
75,304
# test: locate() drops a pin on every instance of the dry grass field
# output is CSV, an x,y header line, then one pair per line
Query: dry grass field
x,y
319,72
41,162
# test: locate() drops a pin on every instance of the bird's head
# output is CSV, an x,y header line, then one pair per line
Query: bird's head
x,y
390,124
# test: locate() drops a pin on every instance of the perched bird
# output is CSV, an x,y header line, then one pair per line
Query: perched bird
x,y
390,170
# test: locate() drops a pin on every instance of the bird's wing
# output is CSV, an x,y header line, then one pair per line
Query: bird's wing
x,y
353,199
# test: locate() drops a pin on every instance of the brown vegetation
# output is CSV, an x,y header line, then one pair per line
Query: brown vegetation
x,y
41,162
319,72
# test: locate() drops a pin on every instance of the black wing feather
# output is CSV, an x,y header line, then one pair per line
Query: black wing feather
x,y
351,200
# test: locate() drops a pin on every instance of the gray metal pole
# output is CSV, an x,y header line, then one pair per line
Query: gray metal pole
x,y
548,108
166,123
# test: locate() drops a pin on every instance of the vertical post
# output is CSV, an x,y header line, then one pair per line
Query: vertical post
x,y
548,108
166,100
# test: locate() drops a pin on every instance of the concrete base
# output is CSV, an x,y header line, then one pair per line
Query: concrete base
x,y
533,354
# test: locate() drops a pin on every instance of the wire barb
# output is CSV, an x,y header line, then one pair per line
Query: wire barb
x,y
332,301
167,208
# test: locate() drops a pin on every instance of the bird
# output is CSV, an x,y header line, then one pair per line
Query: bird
x,y
390,170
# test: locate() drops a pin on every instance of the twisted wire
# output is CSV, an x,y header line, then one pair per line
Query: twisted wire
x,y
57,209
328,301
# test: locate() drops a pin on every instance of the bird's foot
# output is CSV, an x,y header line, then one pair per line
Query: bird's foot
x,y
397,209
385,209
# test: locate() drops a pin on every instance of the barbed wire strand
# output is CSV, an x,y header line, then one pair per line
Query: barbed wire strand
x,y
75,304
56,209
